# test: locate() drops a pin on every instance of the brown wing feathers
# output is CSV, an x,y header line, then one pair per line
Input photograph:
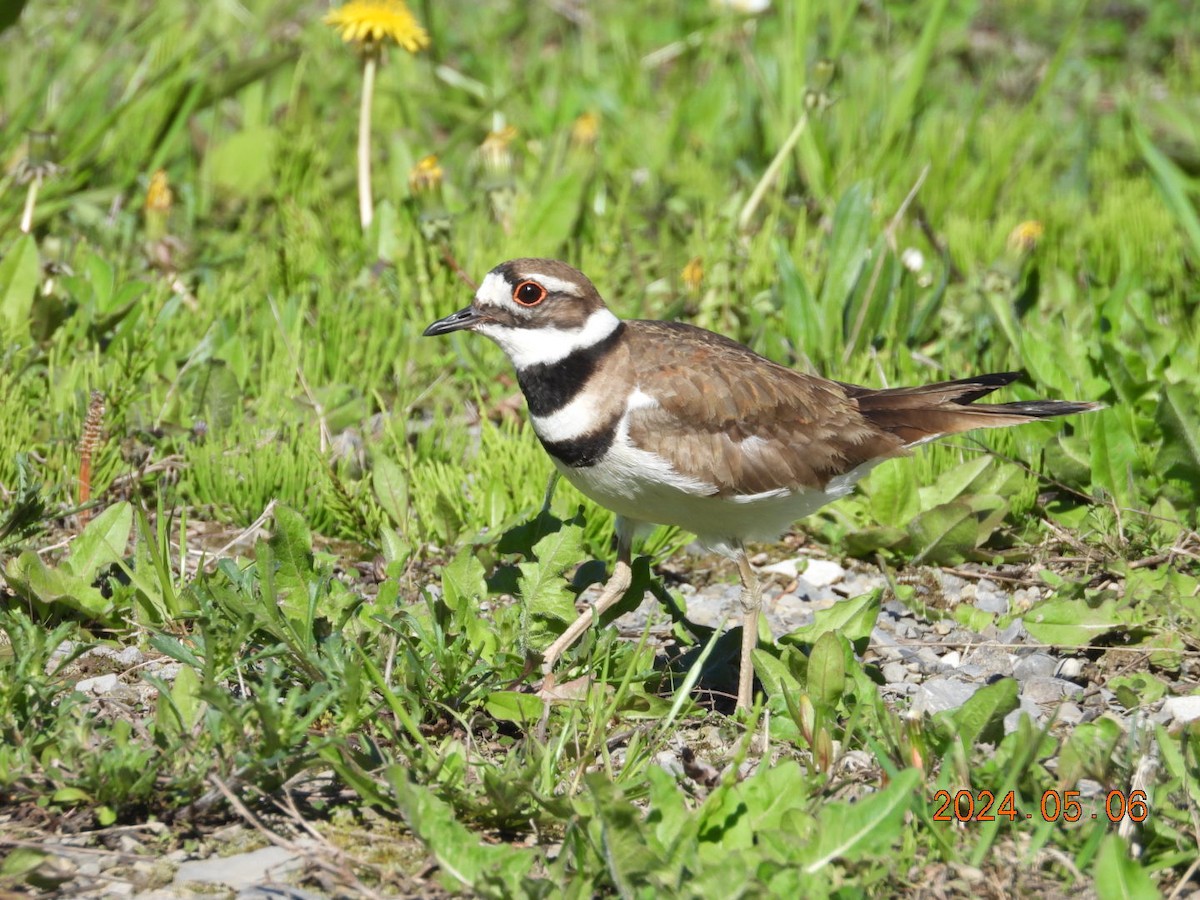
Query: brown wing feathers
x,y
727,416
730,417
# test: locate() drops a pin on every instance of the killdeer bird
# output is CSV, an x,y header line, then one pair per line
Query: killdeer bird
x,y
668,424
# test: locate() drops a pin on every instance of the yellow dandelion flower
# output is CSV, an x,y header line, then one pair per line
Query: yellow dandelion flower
x,y
425,176
1025,237
371,22
158,194
585,130
693,274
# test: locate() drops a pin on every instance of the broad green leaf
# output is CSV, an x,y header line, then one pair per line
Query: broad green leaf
x,y
185,691
1172,749
1117,876
1114,457
773,795
461,855
952,483
827,668
464,588
395,548
631,855
872,307
989,511
514,706
982,716
944,534
541,584
102,542
867,541
20,270
848,250
850,831
291,545
217,393
241,164
1047,362
173,647
893,494
1180,453
774,674
70,795
35,579
802,317
854,619
1137,690
1088,749
1072,623
973,617
20,860
668,815
552,214
464,585
390,483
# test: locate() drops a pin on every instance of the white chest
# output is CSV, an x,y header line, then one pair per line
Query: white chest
x,y
643,487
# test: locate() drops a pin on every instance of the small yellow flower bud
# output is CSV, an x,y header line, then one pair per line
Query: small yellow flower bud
x,y
585,130
158,194
426,176
1025,237
495,151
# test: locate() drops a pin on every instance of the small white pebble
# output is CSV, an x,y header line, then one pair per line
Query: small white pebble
x,y
1183,709
822,572
99,686
1069,668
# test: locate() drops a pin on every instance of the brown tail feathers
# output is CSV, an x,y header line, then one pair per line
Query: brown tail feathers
x,y
923,413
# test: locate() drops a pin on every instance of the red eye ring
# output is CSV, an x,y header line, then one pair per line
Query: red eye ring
x,y
529,293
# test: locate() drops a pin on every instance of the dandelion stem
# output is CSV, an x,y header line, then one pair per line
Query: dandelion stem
x,y
772,172
30,202
366,206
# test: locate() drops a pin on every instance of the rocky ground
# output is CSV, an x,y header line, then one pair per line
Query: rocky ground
x,y
929,663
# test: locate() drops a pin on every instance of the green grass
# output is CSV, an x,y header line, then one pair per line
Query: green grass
x,y
259,353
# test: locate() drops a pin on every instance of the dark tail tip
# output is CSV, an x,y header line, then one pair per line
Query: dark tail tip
x,y
1044,409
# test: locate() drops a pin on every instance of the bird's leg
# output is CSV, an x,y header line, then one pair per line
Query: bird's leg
x,y
751,605
614,590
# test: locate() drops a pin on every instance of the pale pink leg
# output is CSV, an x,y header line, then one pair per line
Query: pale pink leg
x,y
614,590
751,605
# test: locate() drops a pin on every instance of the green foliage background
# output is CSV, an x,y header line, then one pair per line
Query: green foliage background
x,y
857,182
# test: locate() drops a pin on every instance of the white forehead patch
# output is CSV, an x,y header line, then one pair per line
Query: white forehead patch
x,y
494,291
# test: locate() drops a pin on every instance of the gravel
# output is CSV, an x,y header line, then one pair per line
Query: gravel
x,y
927,664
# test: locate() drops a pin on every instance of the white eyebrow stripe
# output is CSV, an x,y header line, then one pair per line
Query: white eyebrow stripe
x,y
552,284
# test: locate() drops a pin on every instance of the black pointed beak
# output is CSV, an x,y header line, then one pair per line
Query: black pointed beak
x,y
464,318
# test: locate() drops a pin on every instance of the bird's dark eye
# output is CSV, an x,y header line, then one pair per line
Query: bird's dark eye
x,y
529,293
